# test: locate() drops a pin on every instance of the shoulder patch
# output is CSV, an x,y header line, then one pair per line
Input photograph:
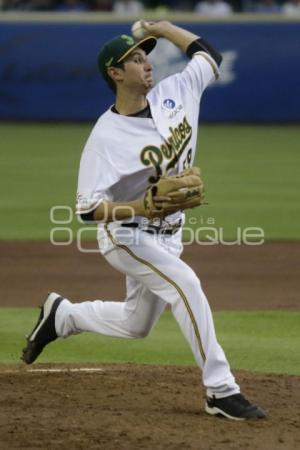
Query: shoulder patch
x,y
168,103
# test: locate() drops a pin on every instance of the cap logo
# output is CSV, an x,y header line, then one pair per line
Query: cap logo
x,y
129,40
109,62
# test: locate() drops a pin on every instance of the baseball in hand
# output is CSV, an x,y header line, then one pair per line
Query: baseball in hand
x,y
138,31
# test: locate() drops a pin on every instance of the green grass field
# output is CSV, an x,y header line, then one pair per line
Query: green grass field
x,y
264,342
250,172
252,180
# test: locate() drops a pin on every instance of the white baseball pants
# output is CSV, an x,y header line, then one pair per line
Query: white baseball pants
x,y
155,277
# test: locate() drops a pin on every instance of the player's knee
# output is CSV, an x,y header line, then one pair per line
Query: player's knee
x,y
140,332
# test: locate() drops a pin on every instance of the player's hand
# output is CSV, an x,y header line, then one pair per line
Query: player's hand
x,y
156,29
177,35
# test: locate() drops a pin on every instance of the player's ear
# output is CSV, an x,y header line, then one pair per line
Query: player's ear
x,y
115,73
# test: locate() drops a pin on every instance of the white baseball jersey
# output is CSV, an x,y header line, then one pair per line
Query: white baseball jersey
x,y
124,154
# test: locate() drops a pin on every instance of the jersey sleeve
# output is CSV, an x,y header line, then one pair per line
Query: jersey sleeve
x,y
199,73
96,176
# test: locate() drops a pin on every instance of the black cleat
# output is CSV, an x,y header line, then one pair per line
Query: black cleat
x,y
235,407
44,332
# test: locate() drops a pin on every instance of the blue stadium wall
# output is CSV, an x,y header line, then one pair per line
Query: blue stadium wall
x,y
48,69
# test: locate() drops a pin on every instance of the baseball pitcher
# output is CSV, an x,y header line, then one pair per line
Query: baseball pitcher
x,y
136,179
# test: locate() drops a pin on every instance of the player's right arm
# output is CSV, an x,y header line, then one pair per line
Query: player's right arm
x,y
96,176
203,68
177,35
188,42
108,211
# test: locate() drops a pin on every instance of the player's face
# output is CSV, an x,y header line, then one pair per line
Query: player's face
x,y
137,71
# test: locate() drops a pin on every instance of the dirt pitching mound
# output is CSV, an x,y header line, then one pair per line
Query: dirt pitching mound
x,y
137,407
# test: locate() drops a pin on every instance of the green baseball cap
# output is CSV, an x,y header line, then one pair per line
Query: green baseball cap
x,y
114,51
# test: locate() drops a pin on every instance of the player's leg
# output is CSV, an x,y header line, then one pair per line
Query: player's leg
x,y
169,278
133,318
176,283
59,317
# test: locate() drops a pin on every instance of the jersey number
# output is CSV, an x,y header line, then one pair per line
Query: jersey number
x,y
188,160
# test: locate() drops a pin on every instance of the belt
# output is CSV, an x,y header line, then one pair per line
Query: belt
x,y
153,229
